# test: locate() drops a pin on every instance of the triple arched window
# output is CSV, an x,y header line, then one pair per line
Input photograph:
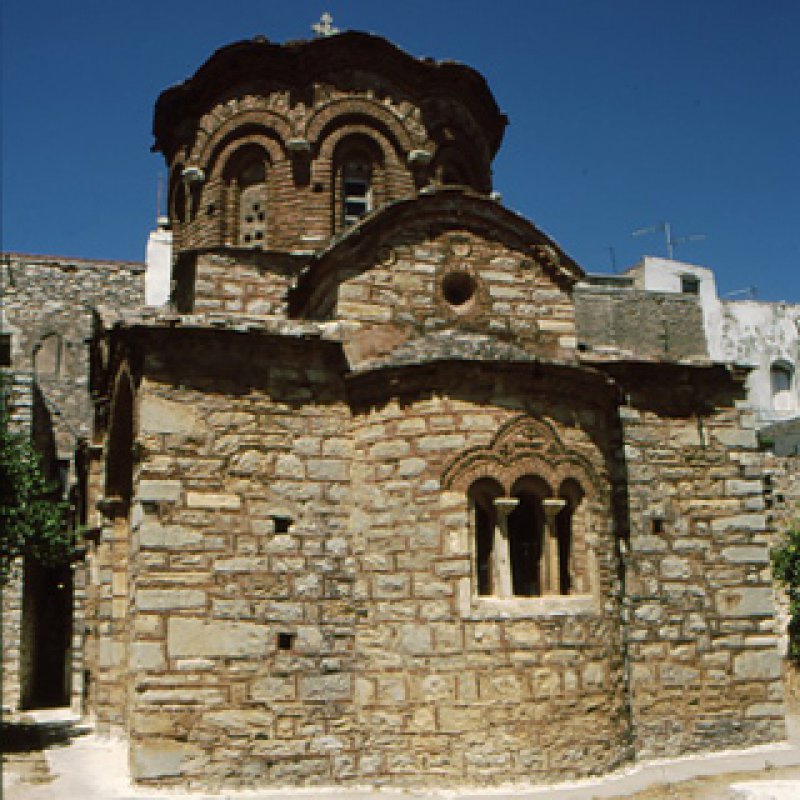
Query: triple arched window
x,y
523,542
531,503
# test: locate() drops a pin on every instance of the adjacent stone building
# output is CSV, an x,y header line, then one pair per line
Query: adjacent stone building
x,y
370,507
46,323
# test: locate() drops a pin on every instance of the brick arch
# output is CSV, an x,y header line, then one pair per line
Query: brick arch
x,y
346,111
238,139
270,123
333,154
224,185
357,128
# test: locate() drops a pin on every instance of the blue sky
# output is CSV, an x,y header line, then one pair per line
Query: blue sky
x,y
623,114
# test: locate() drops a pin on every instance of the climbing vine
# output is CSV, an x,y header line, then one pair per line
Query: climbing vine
x,y
33,519
786,568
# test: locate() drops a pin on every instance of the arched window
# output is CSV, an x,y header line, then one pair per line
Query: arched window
x,y
782,385
356,190
357,173
252,182
532,513
119,457
523,543
482,495
246,174
526,537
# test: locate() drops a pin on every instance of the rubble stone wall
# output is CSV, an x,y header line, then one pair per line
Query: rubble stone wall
x,y
645,323
300,601
50,298
301,605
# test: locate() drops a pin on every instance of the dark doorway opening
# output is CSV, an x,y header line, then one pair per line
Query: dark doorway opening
x,y
46,635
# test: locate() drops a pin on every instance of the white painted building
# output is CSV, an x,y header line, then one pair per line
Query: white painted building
x,y
762,336
158,257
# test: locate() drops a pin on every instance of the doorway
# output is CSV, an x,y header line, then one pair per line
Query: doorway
x,y
46,635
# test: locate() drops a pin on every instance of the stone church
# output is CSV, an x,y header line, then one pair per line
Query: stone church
x,y
366,508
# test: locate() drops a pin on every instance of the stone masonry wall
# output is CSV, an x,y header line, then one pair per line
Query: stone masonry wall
x,y
48,295
452,687
300,604
247,282
298,582
645,323
241,621
701,638
18,390
782,504
512,296
50,298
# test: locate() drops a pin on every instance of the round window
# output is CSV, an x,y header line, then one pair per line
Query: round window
x,y
458,289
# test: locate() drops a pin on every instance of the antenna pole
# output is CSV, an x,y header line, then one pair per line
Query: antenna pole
x,y
668,236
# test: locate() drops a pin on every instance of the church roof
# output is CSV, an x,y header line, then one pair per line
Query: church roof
x,y
301,63
448,207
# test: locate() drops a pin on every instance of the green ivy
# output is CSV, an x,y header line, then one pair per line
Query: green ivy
x,y
33,518
786,568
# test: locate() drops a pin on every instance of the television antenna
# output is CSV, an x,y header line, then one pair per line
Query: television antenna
x,y
751,292
613,255
671,241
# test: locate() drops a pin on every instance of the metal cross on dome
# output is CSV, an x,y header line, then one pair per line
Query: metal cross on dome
x,y
325,26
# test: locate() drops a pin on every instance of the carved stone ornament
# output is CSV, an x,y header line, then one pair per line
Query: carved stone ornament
x,y
525,445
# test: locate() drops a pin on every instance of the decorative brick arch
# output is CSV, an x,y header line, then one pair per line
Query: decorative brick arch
x,y
357,128
523,445
272,124
237,139
343,111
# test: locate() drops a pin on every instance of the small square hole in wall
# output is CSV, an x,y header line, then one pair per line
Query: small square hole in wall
x,y
658,525
282,524
285,641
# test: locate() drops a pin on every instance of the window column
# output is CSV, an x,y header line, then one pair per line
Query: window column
x,y
552,566
502,552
